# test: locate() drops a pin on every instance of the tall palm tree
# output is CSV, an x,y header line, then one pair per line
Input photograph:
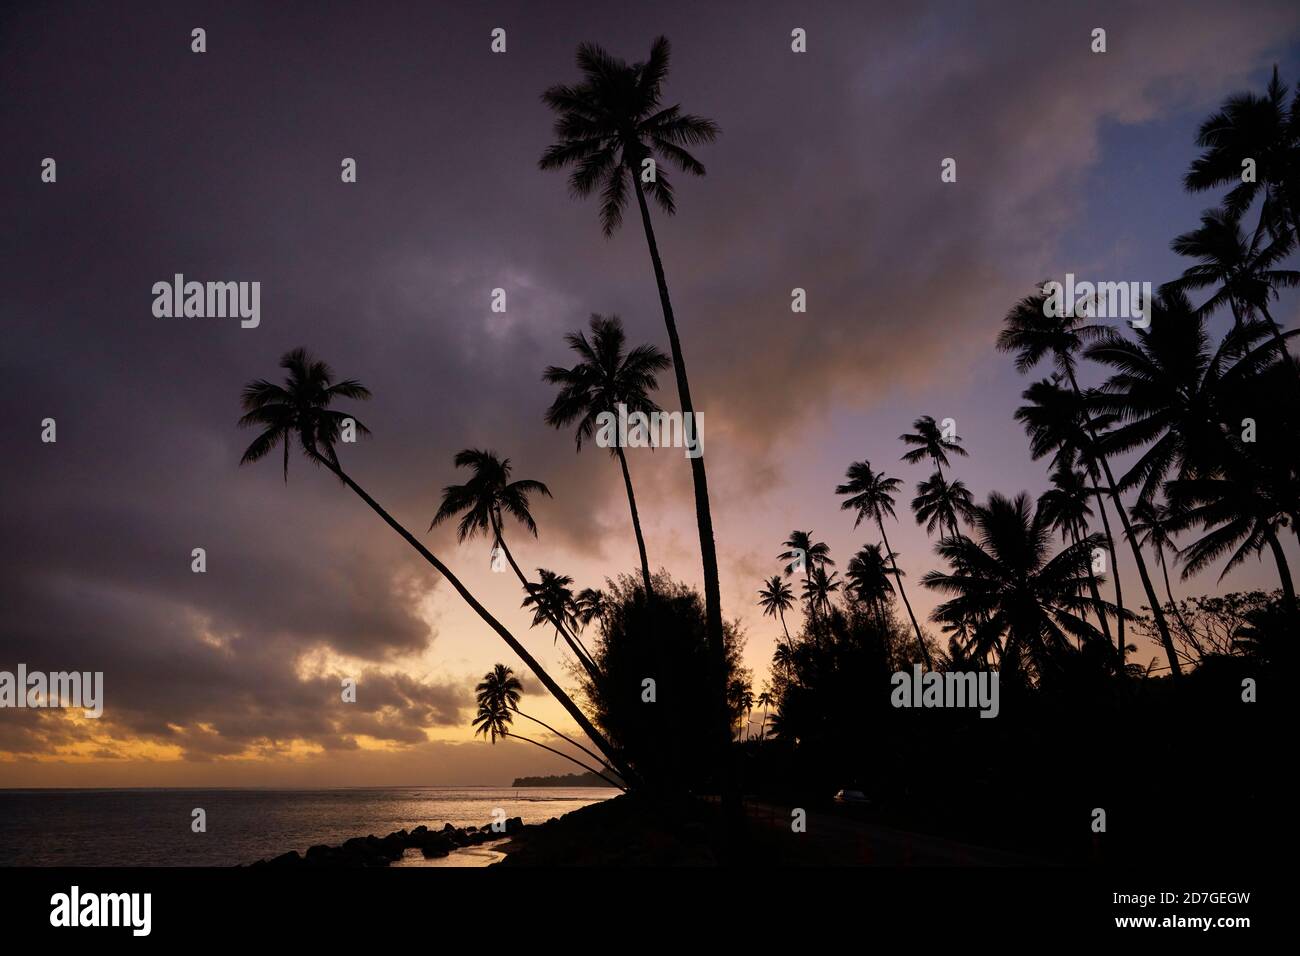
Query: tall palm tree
x,y
606,126
815,554
817,590
483,501
606,377
1033,336
1065,506
1262,128
765,700
869,578
939,503
1007,579
1151,525
740,695
1058,423
928,441
775,598
300,410
871,495
497,696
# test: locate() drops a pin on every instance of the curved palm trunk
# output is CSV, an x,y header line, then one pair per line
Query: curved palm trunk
x,y
581,655
1284,354
1174,668
703,516
925,653
560,753
1283,569
781,612
535,720
636,522
548,682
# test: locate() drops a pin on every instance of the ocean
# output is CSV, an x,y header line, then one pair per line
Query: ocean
x,y
153,827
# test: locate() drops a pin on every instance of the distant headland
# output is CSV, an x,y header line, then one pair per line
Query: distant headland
x,y
562,780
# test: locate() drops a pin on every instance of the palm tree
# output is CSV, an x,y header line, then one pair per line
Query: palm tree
x,y
740,696
939,503
775,598
1008,580
765,700
871,495
869,578
1263,129
497,696
817,590
590,604
299,410
814,554
1151,525
605,127
551,600
1065,506
605,378
1054,419
1033,335
928,441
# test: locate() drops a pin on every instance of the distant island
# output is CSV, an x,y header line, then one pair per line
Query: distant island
x,y
563,780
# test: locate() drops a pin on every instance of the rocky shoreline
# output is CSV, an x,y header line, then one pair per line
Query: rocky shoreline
x,y
381,851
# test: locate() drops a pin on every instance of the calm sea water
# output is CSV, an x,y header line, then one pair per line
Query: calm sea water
x,y
152,827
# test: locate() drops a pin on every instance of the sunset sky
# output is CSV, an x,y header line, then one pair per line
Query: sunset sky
x,y
225,166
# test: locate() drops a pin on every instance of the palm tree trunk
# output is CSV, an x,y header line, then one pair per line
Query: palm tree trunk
x,y
1096,594
560,753
1284,355
1121,645
1283,569
1170,592
636,523
703,516
925,653
581,654
781,611
548,682
1174,669
593,756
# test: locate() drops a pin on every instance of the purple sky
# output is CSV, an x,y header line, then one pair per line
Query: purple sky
x,y
225,166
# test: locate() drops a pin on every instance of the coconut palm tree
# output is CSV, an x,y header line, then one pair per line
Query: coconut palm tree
x,y
1033,336
802,550
1028,602
497,696
740,695
871,495
481,503
869,576
612,129
765,700
1054,419
606,377
590,604
775,598
1065,506
1264,129
1151,524
818,588
939,503
300,411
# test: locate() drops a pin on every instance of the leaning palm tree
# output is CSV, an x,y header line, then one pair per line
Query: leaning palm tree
x,y
497,696
299,412
607,377
482,503
1028,601
551,600
765,700
1265,130
590,604
1033,336
871,495
611,127
775,598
